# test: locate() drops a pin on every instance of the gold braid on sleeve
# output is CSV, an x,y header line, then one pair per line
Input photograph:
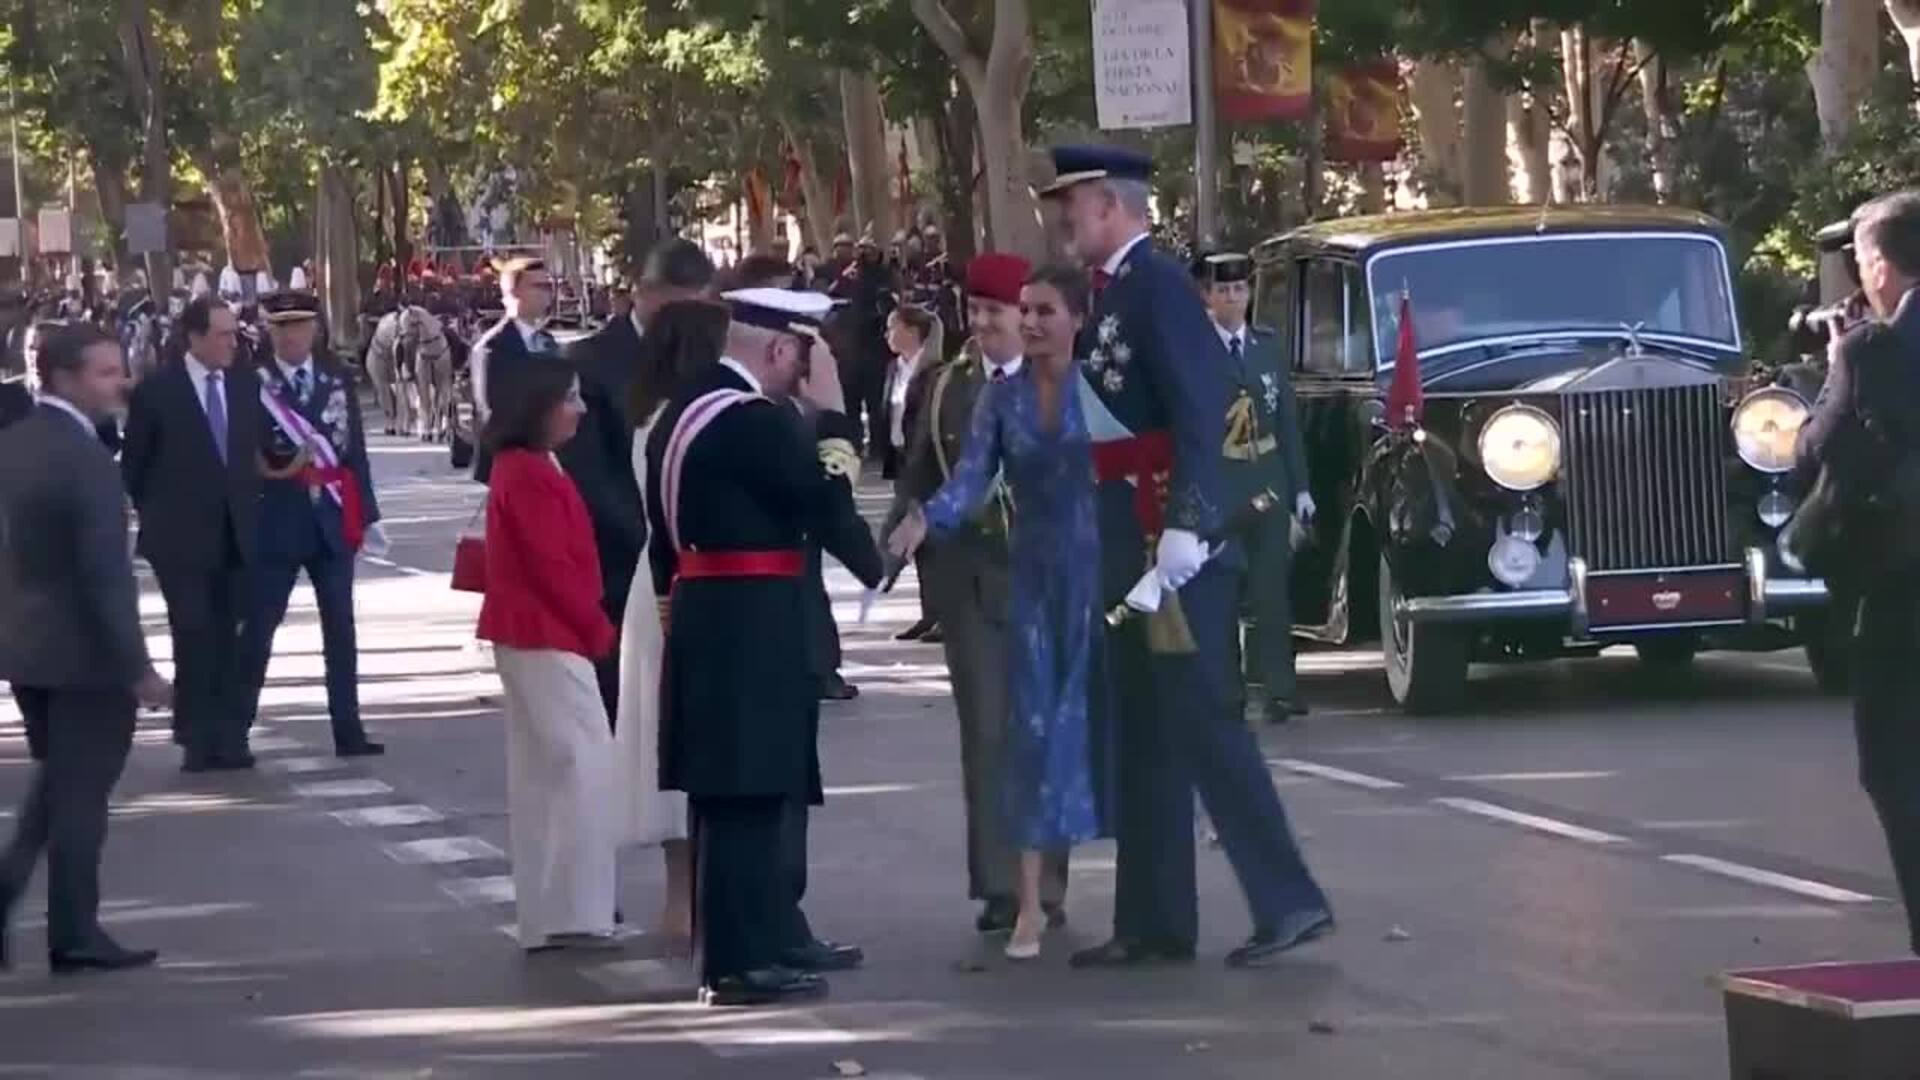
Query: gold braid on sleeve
x,y
838,457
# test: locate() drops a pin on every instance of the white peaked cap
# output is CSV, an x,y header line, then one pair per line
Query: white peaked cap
x,y
783,310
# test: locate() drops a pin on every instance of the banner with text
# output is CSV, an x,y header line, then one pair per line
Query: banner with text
x,y
1142,64
1363,112
1263,59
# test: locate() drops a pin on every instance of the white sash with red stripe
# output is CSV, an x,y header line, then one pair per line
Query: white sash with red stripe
x,y
694,419
327,472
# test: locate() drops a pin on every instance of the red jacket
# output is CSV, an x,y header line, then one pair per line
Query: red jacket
x,y
543,575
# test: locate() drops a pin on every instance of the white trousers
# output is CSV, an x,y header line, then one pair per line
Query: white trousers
x,y
561,791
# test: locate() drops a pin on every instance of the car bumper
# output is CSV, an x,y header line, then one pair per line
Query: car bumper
x,y
1767,597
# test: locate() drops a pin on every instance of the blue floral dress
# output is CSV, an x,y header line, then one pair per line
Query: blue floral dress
x,y
1055,756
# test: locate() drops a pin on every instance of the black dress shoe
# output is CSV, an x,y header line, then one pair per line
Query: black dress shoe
x,y
997,916
363,748
822,956
766,986
1122,953
6,918
233,760
934,636
1280,710
107,957
1265,946
835,688
1056,916
916,631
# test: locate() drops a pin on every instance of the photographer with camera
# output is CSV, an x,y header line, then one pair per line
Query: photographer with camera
x,y
1864,436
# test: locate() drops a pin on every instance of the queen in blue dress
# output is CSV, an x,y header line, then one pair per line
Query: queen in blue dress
x,y
1029,433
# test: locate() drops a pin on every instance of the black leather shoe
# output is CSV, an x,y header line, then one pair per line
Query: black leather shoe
x,y
195,762
1265,946
1122,953
1280,710
916,631
835,688
363,748
6,919
935,636
823,956
233,760
767,986
997,916
104,957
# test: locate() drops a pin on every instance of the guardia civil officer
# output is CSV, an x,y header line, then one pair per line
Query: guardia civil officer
x,y
733,493
1157,403
1262,452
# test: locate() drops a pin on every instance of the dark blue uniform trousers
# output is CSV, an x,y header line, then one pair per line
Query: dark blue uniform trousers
x,y
1179,731
331,573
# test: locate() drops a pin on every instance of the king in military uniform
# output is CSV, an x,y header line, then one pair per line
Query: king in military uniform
x,y
1262,452
316,510
1156,402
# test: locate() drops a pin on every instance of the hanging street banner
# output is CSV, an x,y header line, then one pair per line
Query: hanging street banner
x,y
1363,112
146,228
1263,59
56,231
1142,63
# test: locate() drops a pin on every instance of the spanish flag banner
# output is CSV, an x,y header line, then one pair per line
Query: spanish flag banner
x,y
1263,59
1363,112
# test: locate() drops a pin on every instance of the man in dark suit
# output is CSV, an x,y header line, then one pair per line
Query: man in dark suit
x,y
1263,452
16,403
70,640
192,465
599,457
309,519
1157,405
516,341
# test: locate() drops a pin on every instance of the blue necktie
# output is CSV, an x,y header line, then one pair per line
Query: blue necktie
x,y
217,413
302,384
1234,349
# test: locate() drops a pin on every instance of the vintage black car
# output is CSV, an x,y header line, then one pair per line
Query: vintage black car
x,y
1591,465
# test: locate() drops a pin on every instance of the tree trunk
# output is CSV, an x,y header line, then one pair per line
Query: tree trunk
x,y
998,82
1313,179
336,258
1842,68
873,206
1576,57
1906,19
239,218
954,127
110,187
1373,187
141,61
1662,128
814,191
402,211
1529,132
1437,118
1485,179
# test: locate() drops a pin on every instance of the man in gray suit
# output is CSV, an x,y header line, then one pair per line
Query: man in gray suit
x,y
70,639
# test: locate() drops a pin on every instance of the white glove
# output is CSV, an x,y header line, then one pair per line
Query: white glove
x,y
1180,557
375,542
1303,508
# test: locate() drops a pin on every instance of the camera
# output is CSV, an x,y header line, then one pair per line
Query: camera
x,y
1810,328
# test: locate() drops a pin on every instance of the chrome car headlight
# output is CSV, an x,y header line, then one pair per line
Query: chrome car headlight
x,y
1766,428
1520,447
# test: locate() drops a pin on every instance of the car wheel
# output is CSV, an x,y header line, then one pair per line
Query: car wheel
x,y
1829,644
1426,665
1669,654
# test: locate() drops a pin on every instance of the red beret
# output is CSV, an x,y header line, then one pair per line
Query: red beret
x,y
996,276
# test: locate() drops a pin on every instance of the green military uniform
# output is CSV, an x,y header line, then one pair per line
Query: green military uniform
x,y
1262,450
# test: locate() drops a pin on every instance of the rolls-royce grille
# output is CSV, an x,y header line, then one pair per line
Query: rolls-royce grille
x,y
1645,481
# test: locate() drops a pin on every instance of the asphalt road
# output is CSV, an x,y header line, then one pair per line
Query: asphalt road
x,y
1539,889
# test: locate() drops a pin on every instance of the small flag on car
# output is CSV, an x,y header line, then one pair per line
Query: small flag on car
x,y
1404,399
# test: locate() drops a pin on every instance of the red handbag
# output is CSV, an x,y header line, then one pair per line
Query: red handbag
x,y
470,558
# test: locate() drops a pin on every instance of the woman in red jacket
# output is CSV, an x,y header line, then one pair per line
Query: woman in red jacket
x,y
542,613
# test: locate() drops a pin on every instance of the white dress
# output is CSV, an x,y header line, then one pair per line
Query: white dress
x,y
651,816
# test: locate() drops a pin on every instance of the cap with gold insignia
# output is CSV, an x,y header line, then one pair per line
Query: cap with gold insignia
x,y
287,306
1080,164
1222,268
786,311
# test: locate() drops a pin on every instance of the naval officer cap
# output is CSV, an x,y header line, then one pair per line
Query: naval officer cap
x,y
1222,268
290,307
785,311
1081,164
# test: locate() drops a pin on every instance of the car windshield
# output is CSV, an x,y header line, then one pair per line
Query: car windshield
x,y
1469,292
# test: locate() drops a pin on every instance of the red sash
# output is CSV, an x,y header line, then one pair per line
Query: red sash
x,y
1146,461
327,473
740,564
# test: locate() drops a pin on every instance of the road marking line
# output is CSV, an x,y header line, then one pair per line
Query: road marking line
x,y
342,789
301,765
442,849
1688,825
763,1033
1756,876
387,817
1339,776
1749,911
481,890
273,743
1518,777
1555,826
